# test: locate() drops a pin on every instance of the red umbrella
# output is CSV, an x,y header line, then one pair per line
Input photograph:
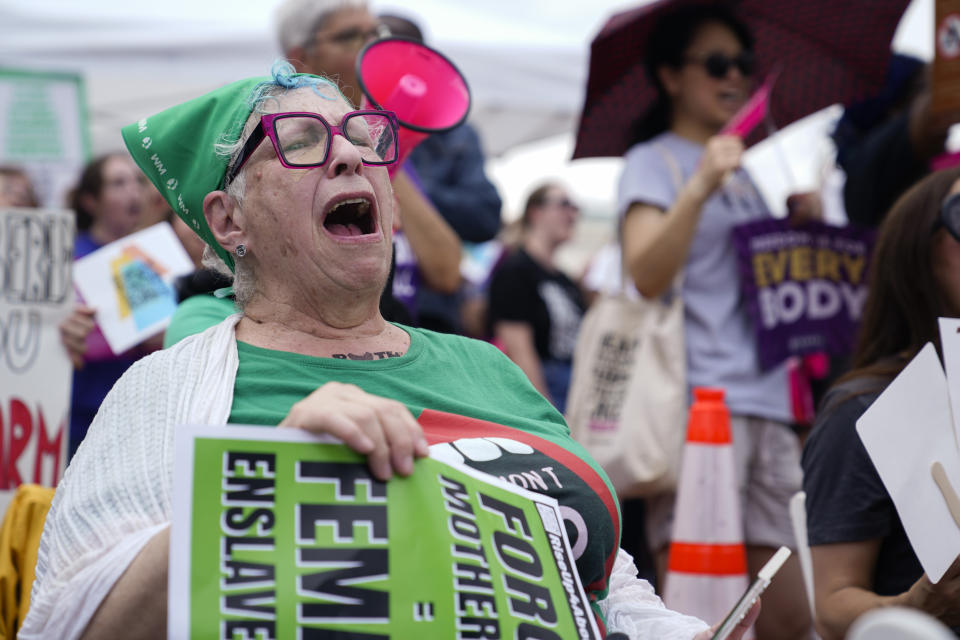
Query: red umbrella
x,y
828,51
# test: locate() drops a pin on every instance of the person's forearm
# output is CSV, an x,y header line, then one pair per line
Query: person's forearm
x,y
839,610
136,607
654,261
434,243
530,364
518,343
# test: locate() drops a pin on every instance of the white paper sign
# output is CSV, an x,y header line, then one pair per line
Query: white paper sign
x,y
130,284
950,345
36,255
905,431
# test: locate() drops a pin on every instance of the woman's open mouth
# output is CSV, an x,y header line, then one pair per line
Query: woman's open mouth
x,y
350,217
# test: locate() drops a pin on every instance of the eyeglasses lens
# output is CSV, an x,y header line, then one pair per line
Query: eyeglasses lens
x,y
302,140
373,135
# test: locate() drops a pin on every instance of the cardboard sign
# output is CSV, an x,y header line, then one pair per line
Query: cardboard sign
x,y
945,94
804,286
278,534
36,257
130,284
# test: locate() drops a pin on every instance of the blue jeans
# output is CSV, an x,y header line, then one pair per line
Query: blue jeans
x,y
557,375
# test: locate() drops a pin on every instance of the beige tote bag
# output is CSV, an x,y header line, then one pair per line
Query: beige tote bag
x,y
627,403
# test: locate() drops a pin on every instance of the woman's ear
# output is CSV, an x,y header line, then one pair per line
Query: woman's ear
x,y
669,80
88,202
224,219
533,217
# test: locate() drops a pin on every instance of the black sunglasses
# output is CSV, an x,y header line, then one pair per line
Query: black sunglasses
x,y
718,64
950,216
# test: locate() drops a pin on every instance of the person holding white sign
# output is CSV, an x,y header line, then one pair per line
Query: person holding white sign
x,y
862,559
289,187
108,201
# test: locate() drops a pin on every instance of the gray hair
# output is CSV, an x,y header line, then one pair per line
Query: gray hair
x,y
298,20
284,81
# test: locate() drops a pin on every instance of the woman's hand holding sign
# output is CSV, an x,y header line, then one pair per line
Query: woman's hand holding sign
x,y
74,331
380,428
941,600
721,156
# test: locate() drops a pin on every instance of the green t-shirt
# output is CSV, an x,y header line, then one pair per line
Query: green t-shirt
x,y
195,314
476,407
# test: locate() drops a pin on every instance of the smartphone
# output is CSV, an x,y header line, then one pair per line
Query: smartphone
x,y
752,593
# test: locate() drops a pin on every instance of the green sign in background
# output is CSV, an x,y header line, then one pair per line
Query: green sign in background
x,y
503,581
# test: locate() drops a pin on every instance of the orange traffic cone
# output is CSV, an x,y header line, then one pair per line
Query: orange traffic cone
x,y
707,567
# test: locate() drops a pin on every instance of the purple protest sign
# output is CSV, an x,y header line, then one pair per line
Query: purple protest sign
x,y
804,286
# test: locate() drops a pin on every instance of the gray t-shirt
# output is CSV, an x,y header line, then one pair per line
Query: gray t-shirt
x,y
720,338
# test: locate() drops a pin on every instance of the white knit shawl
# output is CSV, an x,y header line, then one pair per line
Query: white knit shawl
x,y
115,495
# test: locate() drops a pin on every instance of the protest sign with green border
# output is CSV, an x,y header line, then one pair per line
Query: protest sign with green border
x,y
279,534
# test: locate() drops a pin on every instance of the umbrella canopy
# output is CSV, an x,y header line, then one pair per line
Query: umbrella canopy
x,y
827,51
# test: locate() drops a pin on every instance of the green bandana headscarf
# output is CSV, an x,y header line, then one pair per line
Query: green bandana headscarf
x,y
175,149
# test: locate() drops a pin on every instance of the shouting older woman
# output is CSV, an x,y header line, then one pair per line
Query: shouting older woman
x,y
288,186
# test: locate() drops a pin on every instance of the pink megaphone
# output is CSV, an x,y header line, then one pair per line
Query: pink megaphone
x,y
419,84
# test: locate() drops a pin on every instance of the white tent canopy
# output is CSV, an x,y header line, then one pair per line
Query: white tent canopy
x,y
525,61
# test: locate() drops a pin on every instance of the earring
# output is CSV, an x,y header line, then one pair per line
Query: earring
x,y
240,251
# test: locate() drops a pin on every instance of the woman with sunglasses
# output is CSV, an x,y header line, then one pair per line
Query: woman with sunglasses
x,y
535,309
288,185
681,193
862,558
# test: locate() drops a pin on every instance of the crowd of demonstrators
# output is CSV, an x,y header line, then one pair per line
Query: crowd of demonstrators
x,y
304,299
862,559
309,292
681,193
535,309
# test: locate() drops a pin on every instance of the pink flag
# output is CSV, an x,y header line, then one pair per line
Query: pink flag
x,y
751,114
